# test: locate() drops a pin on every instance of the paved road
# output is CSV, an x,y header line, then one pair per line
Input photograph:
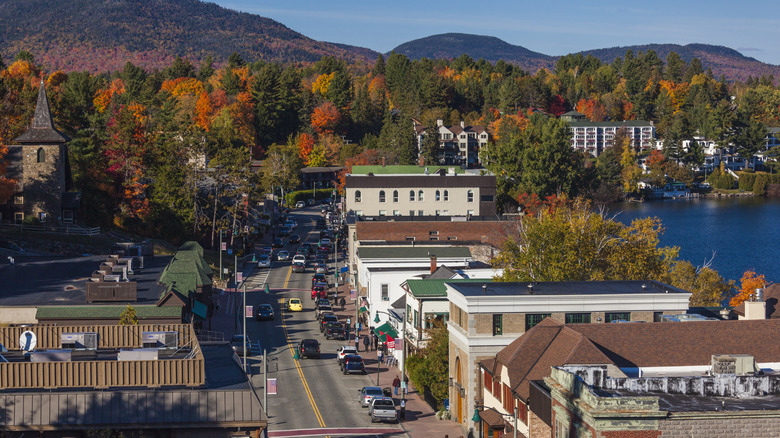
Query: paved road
x,y
312,393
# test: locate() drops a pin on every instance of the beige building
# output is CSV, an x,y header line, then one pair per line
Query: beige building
x,y
458,144
418,191
486,317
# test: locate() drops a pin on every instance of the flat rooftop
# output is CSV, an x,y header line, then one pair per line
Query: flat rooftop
x,y
563,288
52,281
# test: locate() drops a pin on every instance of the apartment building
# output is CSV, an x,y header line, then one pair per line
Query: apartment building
x,y
594,137
459,145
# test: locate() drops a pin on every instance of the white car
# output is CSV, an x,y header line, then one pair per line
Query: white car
x,y
299,259
300,204
283,255
264,261
345,350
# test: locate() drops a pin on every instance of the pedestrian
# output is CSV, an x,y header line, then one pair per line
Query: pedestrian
x,y
359,327
343,303
406,384
366,342
376,341
402,414
396,384
357,343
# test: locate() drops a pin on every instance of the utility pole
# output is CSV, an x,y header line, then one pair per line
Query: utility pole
x,y
220,253
265,384
244,307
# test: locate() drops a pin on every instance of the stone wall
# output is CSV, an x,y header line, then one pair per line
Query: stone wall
x,y
719,425
43,183
538,428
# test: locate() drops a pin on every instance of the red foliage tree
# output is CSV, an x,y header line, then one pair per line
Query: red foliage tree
x,y
325,118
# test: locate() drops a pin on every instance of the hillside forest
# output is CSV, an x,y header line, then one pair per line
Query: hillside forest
x,y
139,139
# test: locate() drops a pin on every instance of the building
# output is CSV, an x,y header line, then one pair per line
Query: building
x,y
142,380
594,137
372,191
485,318
38,160
459,145
320,177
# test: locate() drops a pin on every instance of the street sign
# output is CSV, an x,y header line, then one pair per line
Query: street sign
x,y
249,311
271,385
345,269
230,251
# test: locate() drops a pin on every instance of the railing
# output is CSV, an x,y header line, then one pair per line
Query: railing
x,y
52,229
209,336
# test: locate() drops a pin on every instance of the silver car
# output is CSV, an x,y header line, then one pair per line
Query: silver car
x,y
264,261
367,393
283,255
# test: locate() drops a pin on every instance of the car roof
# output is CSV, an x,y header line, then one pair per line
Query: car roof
x,y
371,388
295,300
264,305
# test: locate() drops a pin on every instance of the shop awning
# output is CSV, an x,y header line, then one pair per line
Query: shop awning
x,y
384,331
363,309
199,309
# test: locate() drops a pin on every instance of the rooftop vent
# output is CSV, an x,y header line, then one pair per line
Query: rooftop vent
x,y
79,341
530,288
733,364
160,339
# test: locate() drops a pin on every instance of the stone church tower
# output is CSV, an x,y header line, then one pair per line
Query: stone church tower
x,y
42,167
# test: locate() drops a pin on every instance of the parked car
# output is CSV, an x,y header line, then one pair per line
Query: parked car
x,y
237,342
264,261
264,312
300,204
335,330
294,305
298,267
367,393
326,318
283,255
382,409
309,348
323,310
353,363
295,238
344,350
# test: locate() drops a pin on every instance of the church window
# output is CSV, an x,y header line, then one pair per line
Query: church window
x,y
41,155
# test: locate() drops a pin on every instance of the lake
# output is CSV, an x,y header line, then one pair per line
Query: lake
x,y
741,232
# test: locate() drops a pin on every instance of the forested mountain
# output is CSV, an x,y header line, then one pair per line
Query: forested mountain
x,y
102,35
453,45
722,60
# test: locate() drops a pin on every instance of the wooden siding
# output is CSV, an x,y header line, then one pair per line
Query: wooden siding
x,y
109,336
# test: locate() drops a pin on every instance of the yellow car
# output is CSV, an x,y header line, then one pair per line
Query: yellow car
x,y
294,305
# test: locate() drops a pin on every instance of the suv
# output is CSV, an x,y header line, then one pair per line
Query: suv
x,y
353,363
295,238
309,348
318,278
326,319
263,312
345,350
335,330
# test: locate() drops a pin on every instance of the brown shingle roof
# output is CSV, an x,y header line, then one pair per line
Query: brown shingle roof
x,y
42,130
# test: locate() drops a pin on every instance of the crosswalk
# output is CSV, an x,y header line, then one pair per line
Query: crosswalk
x,y
258,278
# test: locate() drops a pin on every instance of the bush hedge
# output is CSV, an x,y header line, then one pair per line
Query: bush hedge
x,y
302,195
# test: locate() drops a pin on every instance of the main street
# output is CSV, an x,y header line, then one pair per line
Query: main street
x,y
312,393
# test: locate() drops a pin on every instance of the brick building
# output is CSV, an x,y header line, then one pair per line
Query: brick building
x,y
38,160
484,318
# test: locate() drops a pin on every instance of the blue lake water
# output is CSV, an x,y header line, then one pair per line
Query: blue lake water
x,y
743,233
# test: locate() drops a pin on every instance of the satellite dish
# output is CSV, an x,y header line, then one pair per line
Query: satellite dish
x,y
28,340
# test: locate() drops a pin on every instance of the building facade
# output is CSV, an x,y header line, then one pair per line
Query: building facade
x,y
459,145
594,137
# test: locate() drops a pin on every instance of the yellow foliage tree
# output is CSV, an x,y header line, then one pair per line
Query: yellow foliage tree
x,y
322,83
748,284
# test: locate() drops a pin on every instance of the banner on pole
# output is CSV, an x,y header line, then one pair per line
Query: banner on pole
x,y
239,277
399,344
248,311
224,246
353,294
271,385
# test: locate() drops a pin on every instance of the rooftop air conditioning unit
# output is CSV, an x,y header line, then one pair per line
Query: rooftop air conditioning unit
x,y
79,341
160,339
733,364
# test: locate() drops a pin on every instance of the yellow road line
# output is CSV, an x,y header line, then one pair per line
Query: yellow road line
x,y
297,363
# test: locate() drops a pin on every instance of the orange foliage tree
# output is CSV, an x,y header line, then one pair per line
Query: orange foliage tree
x,y
593,109
366,158
748,284
305,143
203,111
104,96
325,118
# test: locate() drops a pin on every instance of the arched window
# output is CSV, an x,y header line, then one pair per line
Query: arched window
x,y
438,195
41,155
470,196
395,196
381,196
411,195
446,195
357,195
420,196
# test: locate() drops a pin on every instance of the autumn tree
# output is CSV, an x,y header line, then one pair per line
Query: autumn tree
x,y
748,284
326,118
707,287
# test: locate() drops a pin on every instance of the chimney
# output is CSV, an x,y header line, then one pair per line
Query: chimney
x,y
433,264
439,122
383,161
463,124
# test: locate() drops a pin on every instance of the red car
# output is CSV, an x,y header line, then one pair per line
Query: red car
x,y
319,290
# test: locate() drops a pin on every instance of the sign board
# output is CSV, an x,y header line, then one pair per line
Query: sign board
x,y
225,270
239,277
249,313
224,246
230,251
345,269
271,385
391,345
353,294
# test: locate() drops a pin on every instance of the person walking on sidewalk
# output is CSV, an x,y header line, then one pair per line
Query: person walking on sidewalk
x,y
396,384
366,342
343,303
376,342
357,343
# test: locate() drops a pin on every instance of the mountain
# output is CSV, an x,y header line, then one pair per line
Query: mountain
x,y
102,35
453,45
722,60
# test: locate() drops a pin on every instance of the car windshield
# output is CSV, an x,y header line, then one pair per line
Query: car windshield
x,y
387,403
374,391
295,301
265,307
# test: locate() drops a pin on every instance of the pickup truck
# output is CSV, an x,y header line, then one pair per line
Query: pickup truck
x,y
382,409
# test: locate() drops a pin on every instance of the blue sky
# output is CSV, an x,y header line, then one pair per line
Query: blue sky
x,y
552,27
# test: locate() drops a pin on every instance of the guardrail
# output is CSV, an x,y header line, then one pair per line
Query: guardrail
x,y
52,229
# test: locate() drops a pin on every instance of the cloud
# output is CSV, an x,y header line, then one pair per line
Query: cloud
x,y
749,49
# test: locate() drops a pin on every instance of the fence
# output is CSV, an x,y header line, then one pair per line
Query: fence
x,y
52,229
432,401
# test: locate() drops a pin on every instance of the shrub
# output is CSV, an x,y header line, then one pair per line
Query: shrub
x,y
759,187
746,181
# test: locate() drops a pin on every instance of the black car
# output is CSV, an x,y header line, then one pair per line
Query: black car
x,y
326,318
264,312
335,330
295,238
278,243
238,345
309,348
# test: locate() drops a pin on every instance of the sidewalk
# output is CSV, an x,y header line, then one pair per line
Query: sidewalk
x,y
420,420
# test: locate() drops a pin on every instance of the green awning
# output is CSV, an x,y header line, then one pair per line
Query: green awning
x,y
385,330
199,309
363,309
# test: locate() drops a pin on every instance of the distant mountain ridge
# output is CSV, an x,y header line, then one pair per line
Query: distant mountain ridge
x,y
102,35
722,60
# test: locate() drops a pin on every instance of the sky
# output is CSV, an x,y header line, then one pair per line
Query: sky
x,y
751,27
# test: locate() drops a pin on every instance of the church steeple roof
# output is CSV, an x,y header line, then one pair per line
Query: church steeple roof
x,y
42,130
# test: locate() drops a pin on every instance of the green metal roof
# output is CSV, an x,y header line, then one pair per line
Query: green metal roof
x,y
395,170
412,252
428,288
106,312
